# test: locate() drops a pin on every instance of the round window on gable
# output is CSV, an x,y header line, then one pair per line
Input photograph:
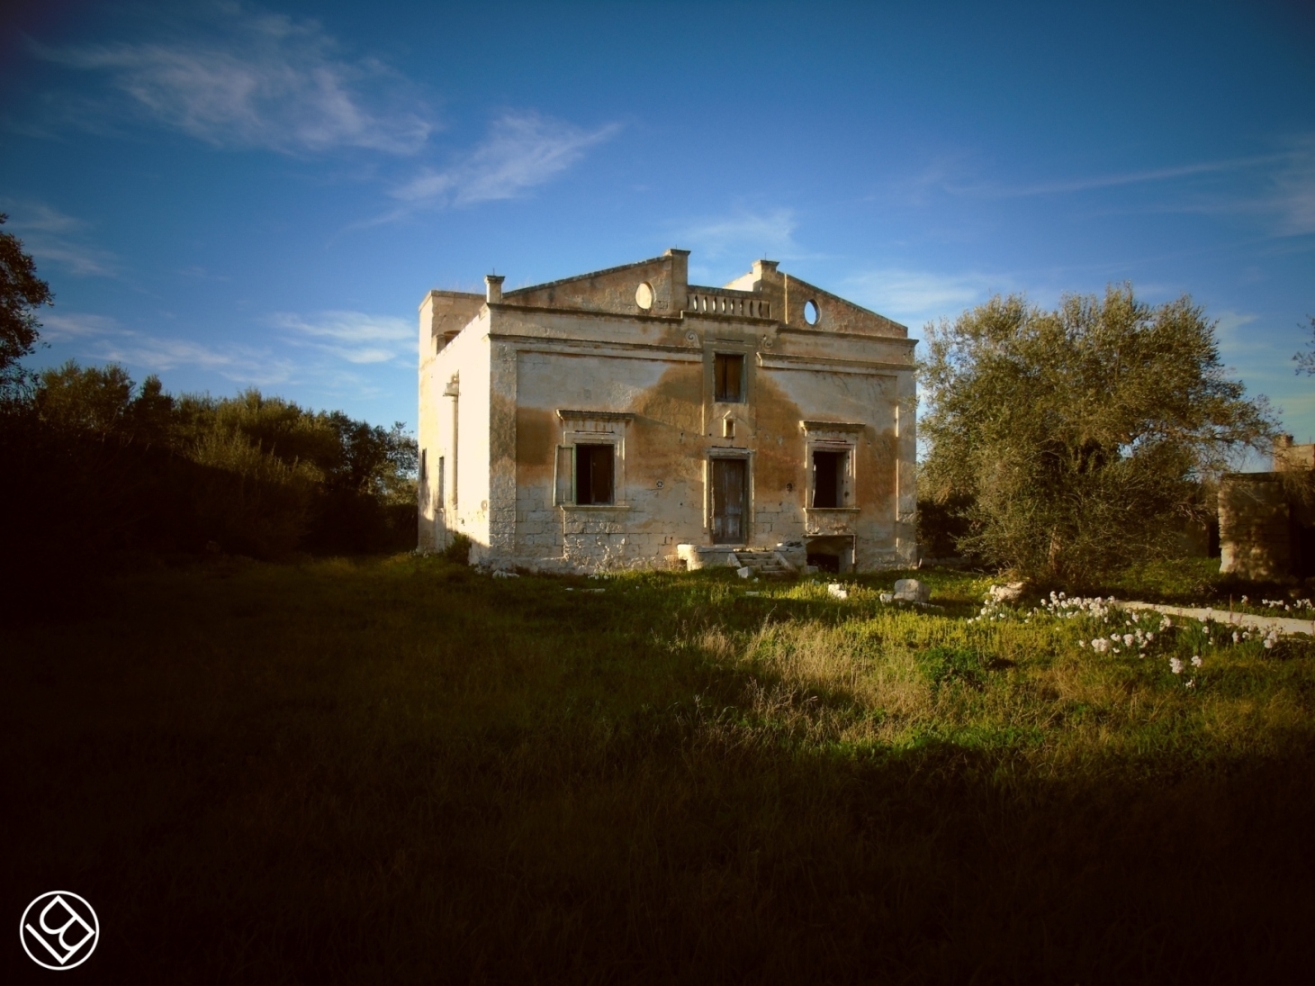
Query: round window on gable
x,y
810,312
644,296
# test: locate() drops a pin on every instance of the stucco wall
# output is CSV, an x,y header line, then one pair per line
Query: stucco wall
x,y
534,378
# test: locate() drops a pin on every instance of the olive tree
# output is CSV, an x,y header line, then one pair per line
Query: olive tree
x,y
1077,438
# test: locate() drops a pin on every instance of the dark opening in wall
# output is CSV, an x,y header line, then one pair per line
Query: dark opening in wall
x,y
593,474
828,479
824,563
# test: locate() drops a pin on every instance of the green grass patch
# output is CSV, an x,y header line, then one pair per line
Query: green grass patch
x,y
400,770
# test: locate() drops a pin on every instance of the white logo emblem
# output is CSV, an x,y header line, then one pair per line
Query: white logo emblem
x,y
59,926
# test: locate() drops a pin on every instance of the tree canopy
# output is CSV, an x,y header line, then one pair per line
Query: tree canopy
x,y
21,294
1077,437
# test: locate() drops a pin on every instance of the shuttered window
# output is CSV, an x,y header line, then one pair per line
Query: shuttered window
x,y
729,372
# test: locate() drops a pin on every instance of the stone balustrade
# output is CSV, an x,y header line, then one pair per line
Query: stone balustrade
x,y
720,301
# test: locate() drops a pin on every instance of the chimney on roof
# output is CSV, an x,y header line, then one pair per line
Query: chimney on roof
x,y
763,265
493,288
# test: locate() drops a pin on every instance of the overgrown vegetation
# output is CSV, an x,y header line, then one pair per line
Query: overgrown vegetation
x,y
1076,440
100,465
402,771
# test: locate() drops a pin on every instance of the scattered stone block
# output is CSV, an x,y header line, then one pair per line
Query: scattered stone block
x,y
1010,593
912,591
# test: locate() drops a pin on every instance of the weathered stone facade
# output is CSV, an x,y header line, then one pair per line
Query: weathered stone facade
x,y
605,420
1267,519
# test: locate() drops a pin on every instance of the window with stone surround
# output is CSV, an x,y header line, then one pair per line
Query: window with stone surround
x,y
590,467
831,452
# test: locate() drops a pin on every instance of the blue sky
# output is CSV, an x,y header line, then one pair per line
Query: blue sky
x,y
234,195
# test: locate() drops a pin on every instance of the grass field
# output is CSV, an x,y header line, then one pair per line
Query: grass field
x,y
397,771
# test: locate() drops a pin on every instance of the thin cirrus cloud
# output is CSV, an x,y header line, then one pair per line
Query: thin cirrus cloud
x,y
102,337
258,80
521,151
241,364
914,296
762,234
355,337
1278,187
56,237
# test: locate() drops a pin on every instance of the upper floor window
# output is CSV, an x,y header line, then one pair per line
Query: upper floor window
x,y
728,372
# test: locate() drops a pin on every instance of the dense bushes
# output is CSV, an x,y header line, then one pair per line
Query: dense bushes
x,y
96,464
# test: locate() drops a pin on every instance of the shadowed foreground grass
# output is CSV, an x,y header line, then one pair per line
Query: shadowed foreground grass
x,y
401,771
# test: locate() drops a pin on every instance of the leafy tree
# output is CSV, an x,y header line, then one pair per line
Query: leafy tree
x,y
103,402
21,294
1078,437
1306,360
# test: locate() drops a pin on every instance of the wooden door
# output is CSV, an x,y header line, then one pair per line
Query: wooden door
x,y
730,500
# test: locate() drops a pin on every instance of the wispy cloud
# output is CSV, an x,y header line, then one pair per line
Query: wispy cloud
x,y
763,234
58,326
352,336
1228,322
54,237
102,337
257,80
914,296
1278,187
521,151
241,364
1140,177
1293,198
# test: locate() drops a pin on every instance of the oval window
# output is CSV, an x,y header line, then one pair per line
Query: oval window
x,y
644,296
810,312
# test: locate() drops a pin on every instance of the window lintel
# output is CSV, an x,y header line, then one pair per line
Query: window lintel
x,y
569,414
848,426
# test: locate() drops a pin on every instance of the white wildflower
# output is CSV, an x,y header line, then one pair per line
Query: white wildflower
x,y
1196,660
1176,665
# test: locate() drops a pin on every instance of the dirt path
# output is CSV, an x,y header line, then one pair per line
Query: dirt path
x,y
1284,624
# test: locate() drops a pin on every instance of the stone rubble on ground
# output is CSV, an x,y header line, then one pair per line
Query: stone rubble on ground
x,y
912,591
1010,593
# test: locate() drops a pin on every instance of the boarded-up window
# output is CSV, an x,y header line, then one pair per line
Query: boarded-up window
x,y
594,473
829,475
729,372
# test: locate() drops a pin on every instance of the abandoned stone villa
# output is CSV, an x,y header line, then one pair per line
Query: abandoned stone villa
x,y
628,418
